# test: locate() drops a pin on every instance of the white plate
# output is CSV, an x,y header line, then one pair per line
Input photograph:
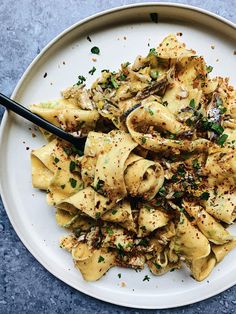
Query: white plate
x,y
121,34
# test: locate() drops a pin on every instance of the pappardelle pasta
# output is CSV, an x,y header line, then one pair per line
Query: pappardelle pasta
x,y
155,183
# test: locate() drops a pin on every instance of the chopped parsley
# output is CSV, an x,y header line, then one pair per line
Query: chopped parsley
x,y
150,112
153,52
119,275
154,74
219,102
205,196
217,128
121,251
195,164
73,149
154,17
165,103
97,215
56,160
157,265
109,231
95,50
81,79
209,69
221,140
181,171
126,64
181,222
192,103
73,182
143,140
122,77
114,83
101,259
211,126
143,242
92,70
72,166
219,105
189,122
99,185
148,207
174,178
114,211
162,191
146,278
178,194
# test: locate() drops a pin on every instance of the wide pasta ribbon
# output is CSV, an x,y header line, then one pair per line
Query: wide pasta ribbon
x,y
67,114
158,117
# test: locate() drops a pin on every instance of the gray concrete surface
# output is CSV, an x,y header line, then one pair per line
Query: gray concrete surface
x,y
26,26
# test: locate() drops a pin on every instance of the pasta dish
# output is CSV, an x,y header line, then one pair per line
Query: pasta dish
x,y
155,183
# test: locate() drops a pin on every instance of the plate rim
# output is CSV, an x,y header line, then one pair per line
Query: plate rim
x,y
4,125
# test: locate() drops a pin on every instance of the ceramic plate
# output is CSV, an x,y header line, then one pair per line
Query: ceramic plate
x,y
121,34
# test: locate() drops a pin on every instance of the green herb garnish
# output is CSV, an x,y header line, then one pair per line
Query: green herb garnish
x,y
95,50
209,69
205,196
92,70
143,242
219,105
114,211
122,77
148,207
101,259
109,231
99,185
143,140
221,140
119,275
154,74
153,52
97,215
178,194
73,182
195,164
146,278
121,251
165,103
181,171
189,122
162,191
157,265
114,82
192,103
150,112
126,64
72,166
81,79
217,128
56,160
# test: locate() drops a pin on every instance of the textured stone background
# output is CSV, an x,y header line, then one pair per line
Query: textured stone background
x,y
26,26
